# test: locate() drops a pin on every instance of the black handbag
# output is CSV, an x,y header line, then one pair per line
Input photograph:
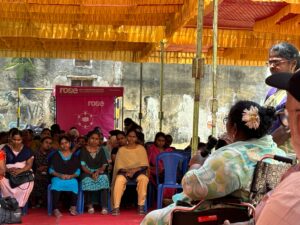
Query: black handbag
x,y
21,178
9,203
10,213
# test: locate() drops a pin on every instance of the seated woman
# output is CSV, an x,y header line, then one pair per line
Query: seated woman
x,y
229,170
40,167
18,159
131,164
64,168
153,151
94,179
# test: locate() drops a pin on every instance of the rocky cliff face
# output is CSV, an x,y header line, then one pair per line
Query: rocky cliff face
x,y
37,107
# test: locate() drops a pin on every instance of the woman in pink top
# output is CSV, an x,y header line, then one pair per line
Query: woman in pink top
x,y
157,147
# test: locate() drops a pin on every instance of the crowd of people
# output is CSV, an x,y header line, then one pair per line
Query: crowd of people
x,y
71,163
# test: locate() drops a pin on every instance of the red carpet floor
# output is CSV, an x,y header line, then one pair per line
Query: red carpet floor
x,y
40,217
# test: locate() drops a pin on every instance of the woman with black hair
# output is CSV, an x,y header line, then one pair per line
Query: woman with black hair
x,y
64,167
131,165
153,151
94,179
18,159
229,170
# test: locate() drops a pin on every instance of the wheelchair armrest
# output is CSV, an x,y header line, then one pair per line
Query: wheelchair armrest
x,y
183,203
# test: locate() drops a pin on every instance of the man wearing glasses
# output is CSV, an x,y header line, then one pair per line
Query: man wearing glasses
x,y
283,57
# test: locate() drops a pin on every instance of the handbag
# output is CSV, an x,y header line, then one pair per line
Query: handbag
x,y
10,213
265,178
9,203
21,178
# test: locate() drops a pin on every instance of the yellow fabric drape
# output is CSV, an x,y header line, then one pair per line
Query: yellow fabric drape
x,y
131,30
286,21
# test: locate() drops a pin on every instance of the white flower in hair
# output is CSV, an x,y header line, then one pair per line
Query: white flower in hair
x,y
251,117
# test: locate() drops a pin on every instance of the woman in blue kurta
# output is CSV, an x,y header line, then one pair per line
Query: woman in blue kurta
x,y
229,170
64,168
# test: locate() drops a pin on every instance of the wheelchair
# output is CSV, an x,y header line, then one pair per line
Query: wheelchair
x,y
265,178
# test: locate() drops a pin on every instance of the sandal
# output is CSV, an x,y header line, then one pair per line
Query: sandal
x,y
141,210
73,211
115,212
104,211
91,210
57,213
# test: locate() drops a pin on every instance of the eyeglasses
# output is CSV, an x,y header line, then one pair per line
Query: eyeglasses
x,y
276,62
225,120
283,117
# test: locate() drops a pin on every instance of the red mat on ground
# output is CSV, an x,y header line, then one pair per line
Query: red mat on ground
x,y
40,217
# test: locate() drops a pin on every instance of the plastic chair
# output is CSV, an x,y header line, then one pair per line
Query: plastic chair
x,y
171,162
81,199
184,165
49,200
25,209
134,183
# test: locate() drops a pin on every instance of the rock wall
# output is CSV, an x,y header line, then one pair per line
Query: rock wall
x,y
37,107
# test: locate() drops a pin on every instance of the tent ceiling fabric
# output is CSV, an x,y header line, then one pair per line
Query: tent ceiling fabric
x,y
131,30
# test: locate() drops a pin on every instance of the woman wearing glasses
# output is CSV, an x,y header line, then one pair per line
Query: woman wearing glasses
x,y
283,57
228,171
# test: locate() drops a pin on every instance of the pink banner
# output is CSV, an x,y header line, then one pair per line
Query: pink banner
x,y
86,107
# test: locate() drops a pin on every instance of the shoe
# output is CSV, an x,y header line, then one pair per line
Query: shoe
x,y
57,213
91,210
115,212
141,210
104,211
73,211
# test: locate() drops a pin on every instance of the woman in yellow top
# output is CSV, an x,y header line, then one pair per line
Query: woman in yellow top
x,y
131,164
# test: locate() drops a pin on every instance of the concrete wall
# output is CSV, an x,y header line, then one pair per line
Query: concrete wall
x,y
234,83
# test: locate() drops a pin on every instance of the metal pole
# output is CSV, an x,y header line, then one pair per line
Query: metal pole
x,y
141,93
198,65
19,109
214,105
161,113
122,112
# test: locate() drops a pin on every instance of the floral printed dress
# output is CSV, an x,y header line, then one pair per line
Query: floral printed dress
x,y
228,170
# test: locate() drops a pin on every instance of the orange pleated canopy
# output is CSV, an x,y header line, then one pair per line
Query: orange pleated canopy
x,y
131,30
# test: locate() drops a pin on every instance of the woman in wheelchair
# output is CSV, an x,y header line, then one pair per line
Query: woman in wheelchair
x,y
228,171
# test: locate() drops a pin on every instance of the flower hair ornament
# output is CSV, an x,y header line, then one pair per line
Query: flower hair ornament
x,y
251,117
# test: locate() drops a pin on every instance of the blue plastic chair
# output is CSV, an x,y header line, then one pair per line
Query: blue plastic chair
x,y
50,205
171,162
81,199
134,183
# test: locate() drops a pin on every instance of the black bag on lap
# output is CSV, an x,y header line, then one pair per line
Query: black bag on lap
x,y
24,177
9,211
